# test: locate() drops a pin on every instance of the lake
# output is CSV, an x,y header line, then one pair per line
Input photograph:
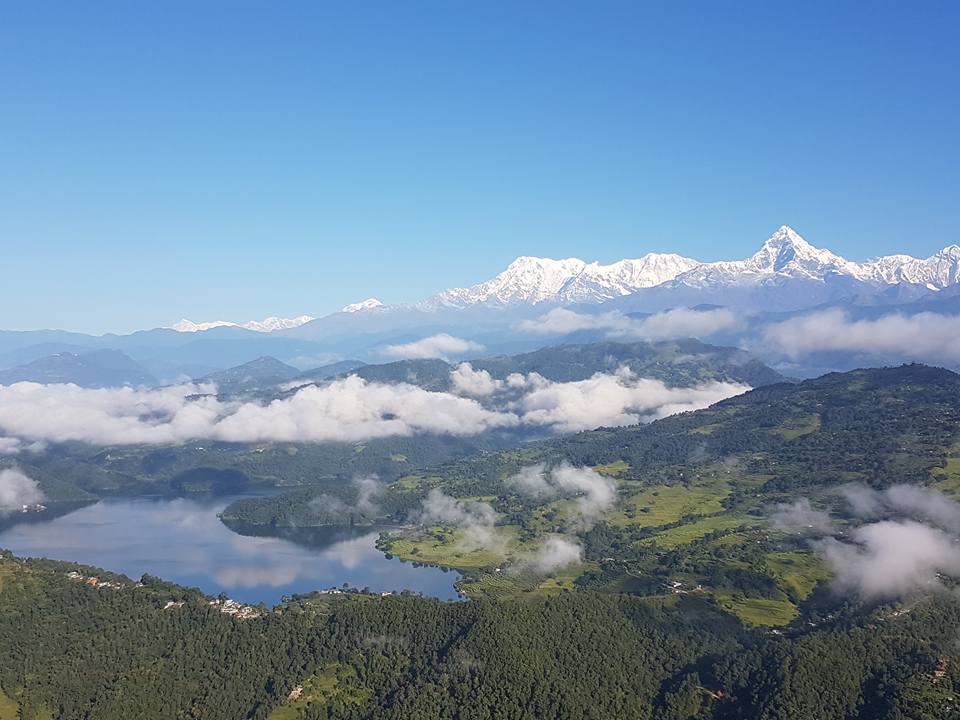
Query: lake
x,y
182,540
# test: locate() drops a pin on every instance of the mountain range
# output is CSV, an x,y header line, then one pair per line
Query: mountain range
x,y
786,273
786,278
266,325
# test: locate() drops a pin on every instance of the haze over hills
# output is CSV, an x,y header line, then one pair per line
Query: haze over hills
x,y
96,369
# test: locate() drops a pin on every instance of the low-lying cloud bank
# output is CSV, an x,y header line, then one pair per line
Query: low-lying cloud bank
x,y
17,490
892,559
350,409
555,554
800,515
903,553
368,490
474,383
476,520
594,493
616,400
920,503
344,410
924,336
440,346
667,325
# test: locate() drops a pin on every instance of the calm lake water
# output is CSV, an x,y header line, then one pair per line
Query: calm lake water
x,y
183,540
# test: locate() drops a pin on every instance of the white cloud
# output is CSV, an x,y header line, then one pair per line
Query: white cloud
x,y
676,323
892,559
925,336
864,502
799,515
350,409
17,490
476,383
925,503
615,400
440,346
61,413
921,503
369,489
595,494
354,409
475,519
532,481
555,554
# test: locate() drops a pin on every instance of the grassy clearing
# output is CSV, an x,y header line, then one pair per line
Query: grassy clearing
x,y
509,585
414,482
614,469
798,427
6,572
797,573
707,429
758,611
448,547
335,682
9,708
948,477
731,540
666,504
687,533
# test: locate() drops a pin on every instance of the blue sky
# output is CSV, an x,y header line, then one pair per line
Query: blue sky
x,y
234,160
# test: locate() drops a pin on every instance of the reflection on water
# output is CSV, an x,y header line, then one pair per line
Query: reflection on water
x,y
183,540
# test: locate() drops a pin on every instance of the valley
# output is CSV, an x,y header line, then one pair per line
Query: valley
x,y
709,533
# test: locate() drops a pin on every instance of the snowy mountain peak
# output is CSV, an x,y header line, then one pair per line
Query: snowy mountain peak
x,y
368,304
787,251
787,272
526,280
277,323
189,326
266,325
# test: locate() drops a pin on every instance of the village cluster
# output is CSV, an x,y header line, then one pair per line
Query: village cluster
x,y
225,606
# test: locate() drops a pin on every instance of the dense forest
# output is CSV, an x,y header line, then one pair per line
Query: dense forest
x,y
72,650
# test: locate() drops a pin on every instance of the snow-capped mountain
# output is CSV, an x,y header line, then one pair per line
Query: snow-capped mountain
x,y
189,326
787,272
368,304
936,272
786,254
265,326
597,283
532,280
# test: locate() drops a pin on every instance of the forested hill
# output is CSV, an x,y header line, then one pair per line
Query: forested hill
x,y
877,425
73,651
674,362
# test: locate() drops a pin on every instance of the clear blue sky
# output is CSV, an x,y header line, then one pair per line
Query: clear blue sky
x,y
237,159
